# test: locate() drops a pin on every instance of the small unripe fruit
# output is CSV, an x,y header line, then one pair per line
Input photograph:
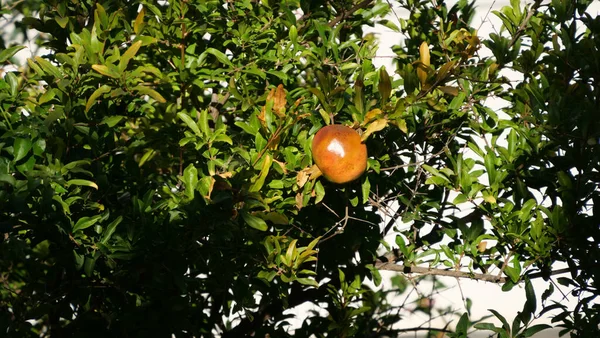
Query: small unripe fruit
x,y
339,153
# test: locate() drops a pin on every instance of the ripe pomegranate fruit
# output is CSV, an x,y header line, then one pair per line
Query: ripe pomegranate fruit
x,y
339,153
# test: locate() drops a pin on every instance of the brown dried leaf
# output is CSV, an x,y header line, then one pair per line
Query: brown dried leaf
x,y
299,199
280,101
301,178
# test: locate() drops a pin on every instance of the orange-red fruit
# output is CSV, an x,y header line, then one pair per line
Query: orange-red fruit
x,y
339,153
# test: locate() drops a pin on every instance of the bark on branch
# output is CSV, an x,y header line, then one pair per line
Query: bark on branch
x,y
390,266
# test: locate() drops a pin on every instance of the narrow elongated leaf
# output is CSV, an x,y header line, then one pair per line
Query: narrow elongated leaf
x,y
255,222
9,52
535,329
84,183
112,121
190,179
48,95
260,181
424,58
95,95
203,123
85,222
129,54
385,85
373,127
104,70
139,21
110,229
48,67
220,56
150,92
6,178
190,123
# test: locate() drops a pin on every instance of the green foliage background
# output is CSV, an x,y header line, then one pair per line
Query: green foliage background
x,y
155,166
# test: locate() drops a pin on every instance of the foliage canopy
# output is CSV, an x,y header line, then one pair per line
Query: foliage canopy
x,y
156,175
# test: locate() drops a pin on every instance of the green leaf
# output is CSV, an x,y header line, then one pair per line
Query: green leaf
x,y
84,183
203,122
150,92
220,56
385,85
293,34
487,326
9,53
260,181
319,191
501,318
190,179
291,252
308,281
48,95
112,121
79,259
110,229
13,83
463,324
255,222
490,166
530,303
149,154
460,198
21,148
6,178
48,67
359,95
95,95
62,22
85,222
366,190
190,123
535,329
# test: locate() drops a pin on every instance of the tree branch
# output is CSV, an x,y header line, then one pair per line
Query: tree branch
x,y
390,266
344,15
523,25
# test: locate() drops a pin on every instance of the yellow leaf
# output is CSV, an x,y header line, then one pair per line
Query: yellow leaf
x,y
444,70
129,54
95,95
150,92
449,90
375,126
139,20
424,59
260,180
104,70
372,115
401,123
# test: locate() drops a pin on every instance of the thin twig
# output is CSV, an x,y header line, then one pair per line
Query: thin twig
x,y
523,25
